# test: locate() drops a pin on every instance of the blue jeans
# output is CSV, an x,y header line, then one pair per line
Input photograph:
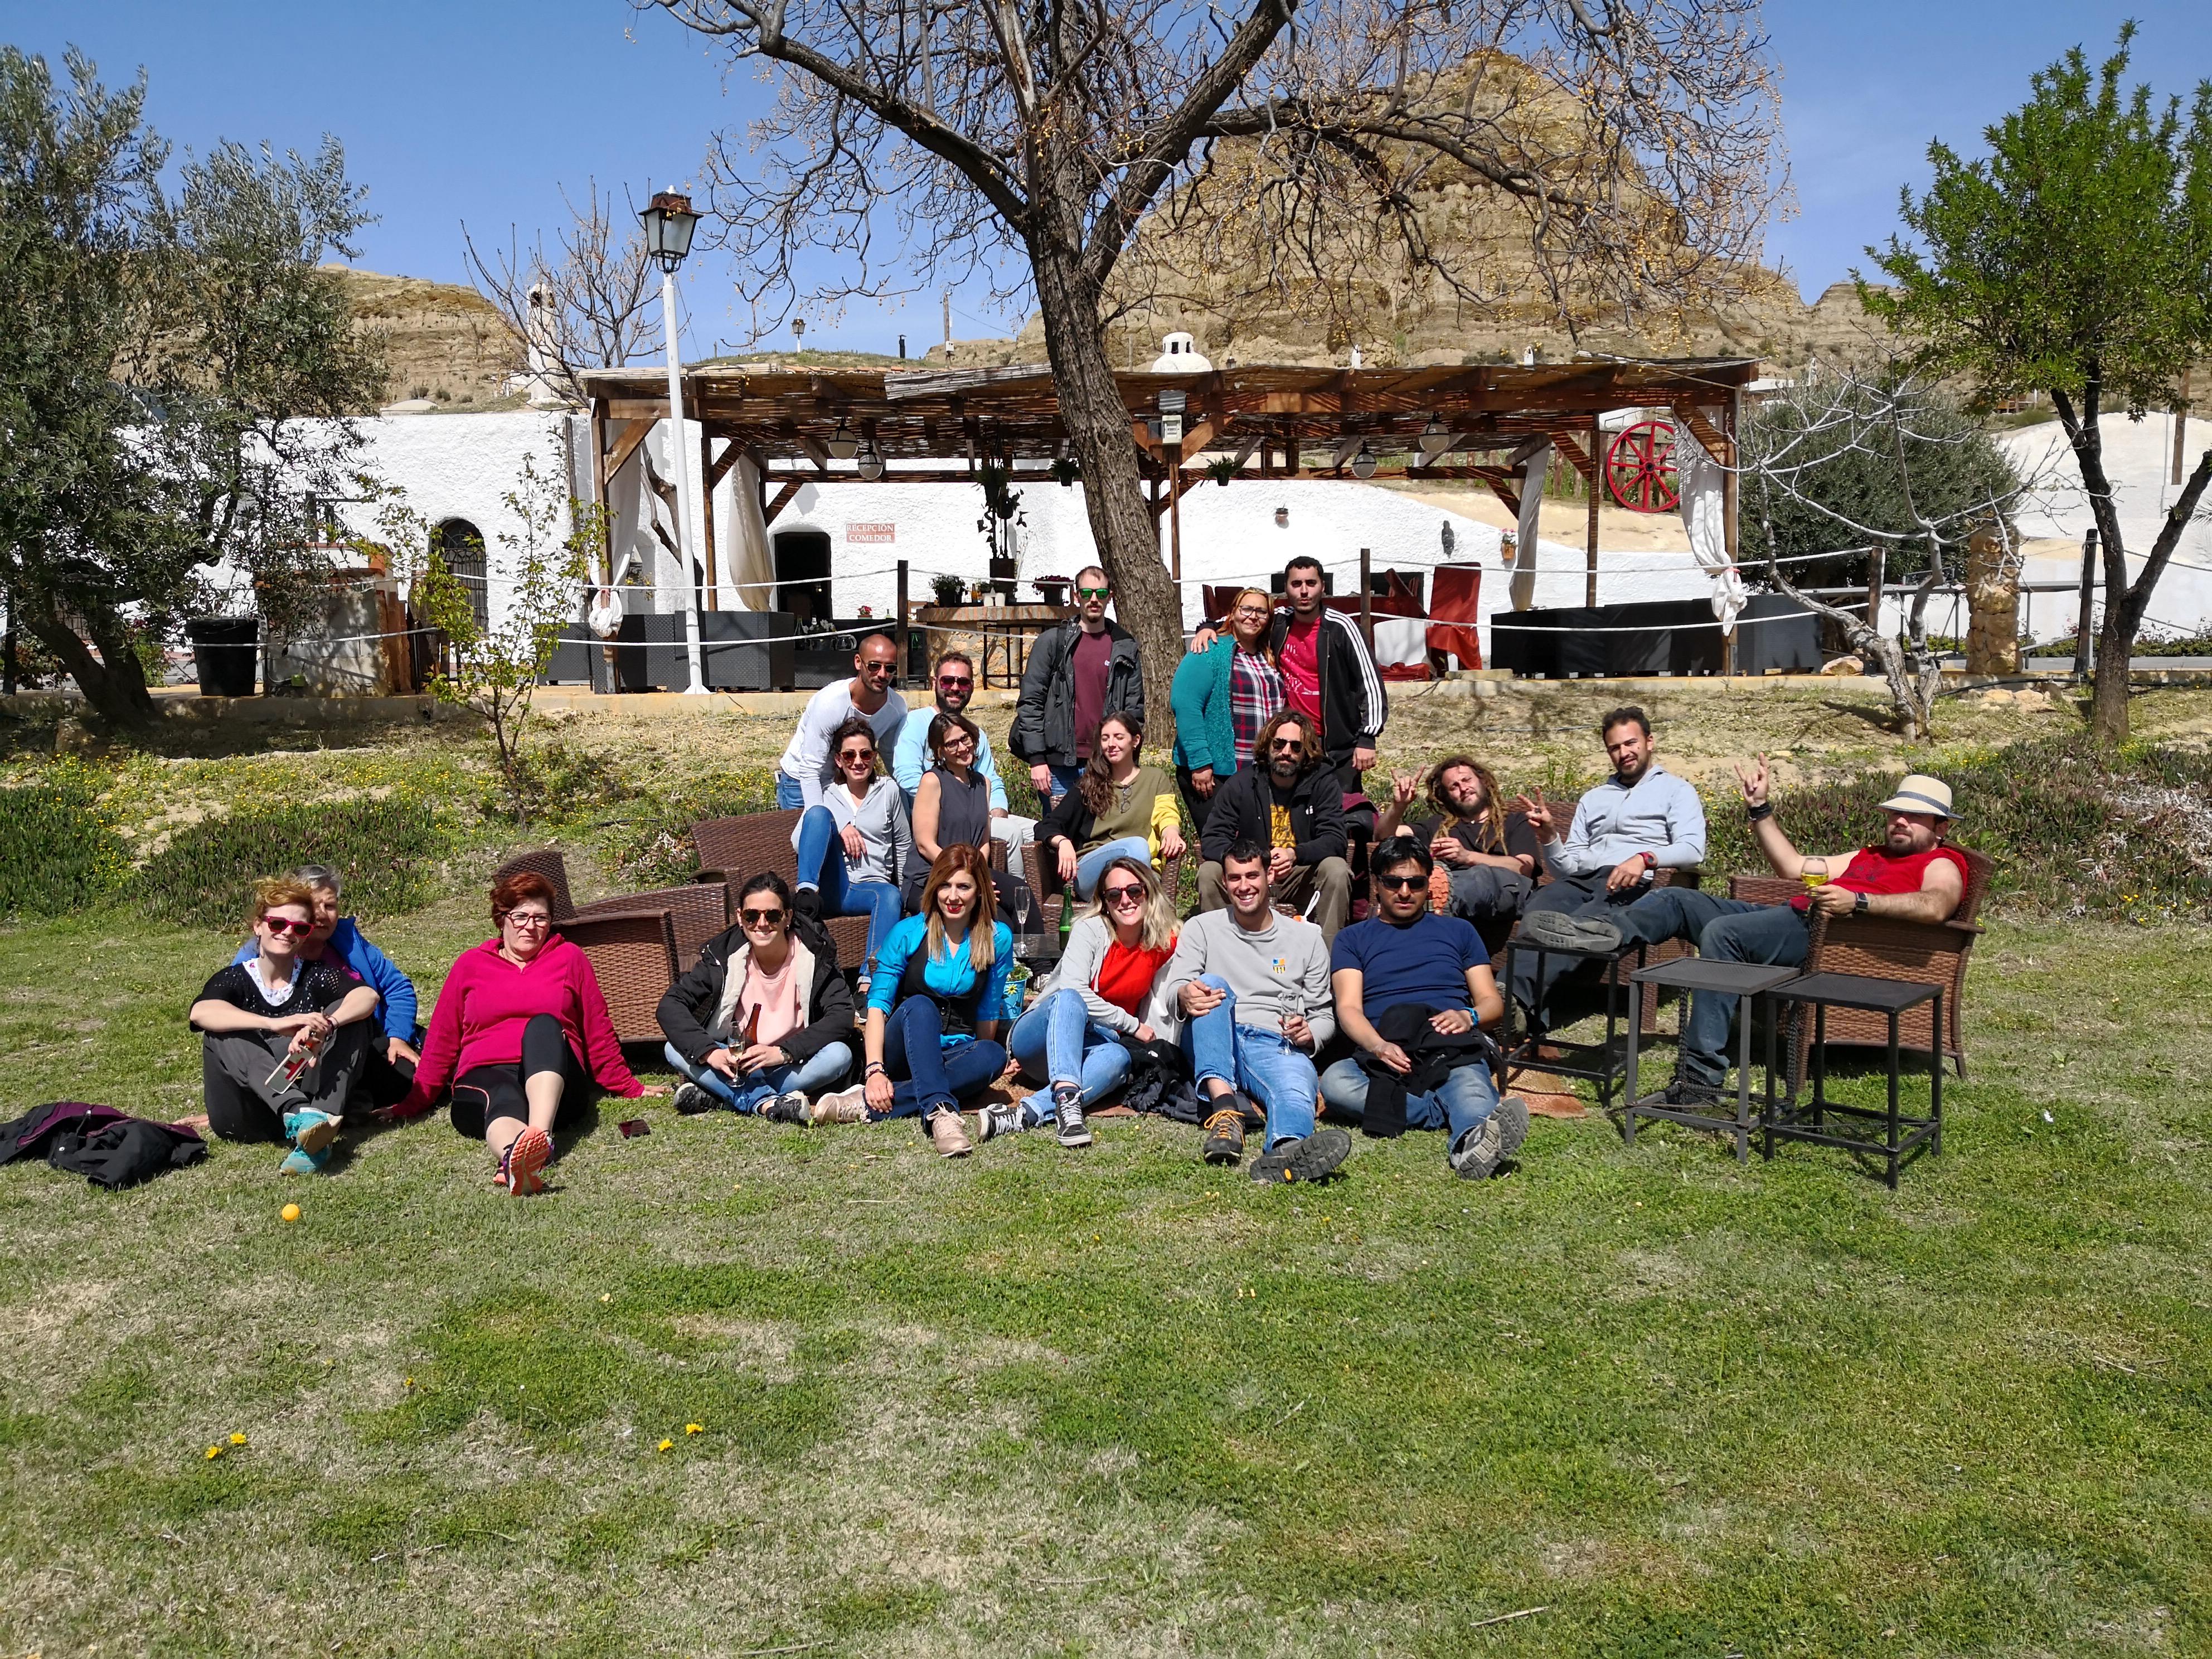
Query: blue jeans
x,y
1263,1064
1064,778
1725,930
787,793
1462,1102
928,1077
810,1076
822,866
1058,1040
1092,865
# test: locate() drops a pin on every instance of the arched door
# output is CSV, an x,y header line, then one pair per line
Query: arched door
x,y
460,546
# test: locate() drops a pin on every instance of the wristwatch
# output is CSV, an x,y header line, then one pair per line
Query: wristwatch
x,y
1858,904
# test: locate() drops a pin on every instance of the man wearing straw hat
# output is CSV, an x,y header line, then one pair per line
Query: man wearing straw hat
x,y
1911,874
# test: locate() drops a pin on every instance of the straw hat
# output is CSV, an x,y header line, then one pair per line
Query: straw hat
x,y
1919,793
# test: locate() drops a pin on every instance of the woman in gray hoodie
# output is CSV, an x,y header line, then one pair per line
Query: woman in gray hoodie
x,y
854,847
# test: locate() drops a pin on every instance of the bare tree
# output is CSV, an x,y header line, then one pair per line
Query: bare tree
x,y
588,304
1892,426
1031,143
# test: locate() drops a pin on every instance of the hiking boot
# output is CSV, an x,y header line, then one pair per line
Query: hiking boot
x,y
690,1099
1558,931
519,1169
309,1130
1067,1114
1309,1159
1224,1133
1000,1120
789,1107
948,1135
845,1106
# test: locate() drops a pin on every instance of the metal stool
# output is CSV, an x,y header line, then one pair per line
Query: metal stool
x,y
1600,1062
1738,979
1904,1137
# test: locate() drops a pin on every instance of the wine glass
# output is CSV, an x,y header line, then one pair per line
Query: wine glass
x,y
1814,873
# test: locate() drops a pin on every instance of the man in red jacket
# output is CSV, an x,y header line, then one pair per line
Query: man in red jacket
x,y
1910,873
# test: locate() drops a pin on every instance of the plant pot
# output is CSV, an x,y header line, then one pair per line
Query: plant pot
x,y
1054,593
226,651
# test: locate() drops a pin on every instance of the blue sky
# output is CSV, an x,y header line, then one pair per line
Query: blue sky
x,y
473,109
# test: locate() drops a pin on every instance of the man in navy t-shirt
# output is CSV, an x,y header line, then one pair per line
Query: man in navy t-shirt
x,y
1403,957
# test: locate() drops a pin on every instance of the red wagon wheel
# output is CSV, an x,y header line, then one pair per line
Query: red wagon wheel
x,y
1639,467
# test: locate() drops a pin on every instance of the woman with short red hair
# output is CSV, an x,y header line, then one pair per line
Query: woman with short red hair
x,y
521,1032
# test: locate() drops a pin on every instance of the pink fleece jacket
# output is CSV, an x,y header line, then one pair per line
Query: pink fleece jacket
x,y
487,1000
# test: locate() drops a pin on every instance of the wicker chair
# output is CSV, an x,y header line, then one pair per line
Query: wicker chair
x,y
623,936
1884,947
1664,950
1043,877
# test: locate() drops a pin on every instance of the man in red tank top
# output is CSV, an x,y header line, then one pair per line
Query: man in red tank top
x,y
1912,874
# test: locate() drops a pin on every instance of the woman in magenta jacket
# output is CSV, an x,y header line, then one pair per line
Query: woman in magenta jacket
x,y
521,1032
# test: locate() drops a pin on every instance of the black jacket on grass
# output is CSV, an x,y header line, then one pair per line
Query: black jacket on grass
x,y
688,1011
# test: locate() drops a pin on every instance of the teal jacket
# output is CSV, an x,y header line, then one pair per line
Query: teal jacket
x,y
1204,735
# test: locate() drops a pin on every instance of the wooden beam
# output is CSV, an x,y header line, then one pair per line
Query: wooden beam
x,y
1567,444
708,550
626,443
782,500
1589,549
720,469
1718,445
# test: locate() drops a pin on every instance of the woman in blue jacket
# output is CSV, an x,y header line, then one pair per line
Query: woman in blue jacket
x,y
390,1065
936,1005
1222,697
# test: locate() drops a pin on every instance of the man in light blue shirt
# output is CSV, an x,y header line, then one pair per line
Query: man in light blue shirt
x,y
954,684
1641,819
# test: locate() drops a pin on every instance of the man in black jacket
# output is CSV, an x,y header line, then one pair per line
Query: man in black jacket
x,y
1079,673
1287,801
712,1016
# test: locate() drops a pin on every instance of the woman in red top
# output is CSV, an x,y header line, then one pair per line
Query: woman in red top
x,y
1071,1037
521,1032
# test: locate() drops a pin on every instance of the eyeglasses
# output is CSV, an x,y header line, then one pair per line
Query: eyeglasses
x,y
1091,592
957,740
876,667
761,918
954,681
1252,612
1402,884
1288,745
850,756
1131,894
528,919
286,925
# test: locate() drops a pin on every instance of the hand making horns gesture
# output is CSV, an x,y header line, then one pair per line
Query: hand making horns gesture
x,y
1533,806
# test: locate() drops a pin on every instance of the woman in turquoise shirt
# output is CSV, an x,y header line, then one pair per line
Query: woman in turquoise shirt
x,y
935,1007
1222,697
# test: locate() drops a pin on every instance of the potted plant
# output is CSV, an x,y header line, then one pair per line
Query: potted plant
x,y
1221,469
866,610
1053,590
945,589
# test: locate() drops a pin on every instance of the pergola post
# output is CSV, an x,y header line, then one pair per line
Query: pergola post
x,y
905,664
1590,482
1367,599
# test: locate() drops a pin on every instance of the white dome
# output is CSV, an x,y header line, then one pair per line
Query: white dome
x,y
1179,355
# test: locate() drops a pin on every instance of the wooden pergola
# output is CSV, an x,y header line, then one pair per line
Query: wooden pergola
x,y
939,426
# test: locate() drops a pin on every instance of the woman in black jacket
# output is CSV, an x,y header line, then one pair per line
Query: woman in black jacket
x,y
764,1018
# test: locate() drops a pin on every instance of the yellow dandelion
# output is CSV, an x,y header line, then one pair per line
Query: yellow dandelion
x,y
694,1428
665,1445
238,1440
605,1297
213,1453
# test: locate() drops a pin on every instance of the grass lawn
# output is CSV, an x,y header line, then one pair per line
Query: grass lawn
x,y
1115,1403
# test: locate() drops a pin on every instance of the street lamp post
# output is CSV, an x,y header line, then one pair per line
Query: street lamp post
x,y
669,222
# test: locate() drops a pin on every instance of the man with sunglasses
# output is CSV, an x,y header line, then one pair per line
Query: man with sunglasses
x,y
1412,991
1079,673
1288,802
954,684
808,767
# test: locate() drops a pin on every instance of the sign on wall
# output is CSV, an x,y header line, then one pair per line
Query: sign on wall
x,y
871,532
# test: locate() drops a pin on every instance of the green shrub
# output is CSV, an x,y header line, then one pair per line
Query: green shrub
x,y
652,846
59,851
388,847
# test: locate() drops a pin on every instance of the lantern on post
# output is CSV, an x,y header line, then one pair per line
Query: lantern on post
x,y
668,221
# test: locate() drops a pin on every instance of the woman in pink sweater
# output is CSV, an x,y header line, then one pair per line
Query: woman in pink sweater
x,y
522,1033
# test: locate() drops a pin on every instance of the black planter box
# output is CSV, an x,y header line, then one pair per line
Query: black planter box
x,y
1654,637
226,651
748,650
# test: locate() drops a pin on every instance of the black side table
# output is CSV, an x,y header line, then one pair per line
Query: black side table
x,y
1904,1137
1737,979
1600,1062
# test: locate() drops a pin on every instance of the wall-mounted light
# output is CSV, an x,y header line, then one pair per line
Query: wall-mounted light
x,y
1282,518
1363,464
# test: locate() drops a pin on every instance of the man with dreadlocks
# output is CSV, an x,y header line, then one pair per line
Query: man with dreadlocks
x,y
1485,856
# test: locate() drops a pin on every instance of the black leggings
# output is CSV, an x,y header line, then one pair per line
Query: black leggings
x,y
484,1094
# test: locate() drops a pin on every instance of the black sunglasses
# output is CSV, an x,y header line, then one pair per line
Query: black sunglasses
x,y
1129,895
1400,883
761,918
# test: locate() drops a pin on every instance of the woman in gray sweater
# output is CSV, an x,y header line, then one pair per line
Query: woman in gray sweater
x,y
854,847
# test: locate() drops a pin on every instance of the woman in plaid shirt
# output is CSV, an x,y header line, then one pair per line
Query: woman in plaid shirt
x,y
1222,697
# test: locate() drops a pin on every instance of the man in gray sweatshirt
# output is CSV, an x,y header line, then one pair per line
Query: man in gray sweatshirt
x,y
1253,987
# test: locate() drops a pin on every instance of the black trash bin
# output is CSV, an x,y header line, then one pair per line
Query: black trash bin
x,y
224,652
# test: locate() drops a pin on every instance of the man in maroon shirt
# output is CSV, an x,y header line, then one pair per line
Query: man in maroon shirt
x,y
1079,673
1911,874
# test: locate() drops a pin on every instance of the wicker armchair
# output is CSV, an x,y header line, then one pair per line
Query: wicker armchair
x,y
1883,947
1042,874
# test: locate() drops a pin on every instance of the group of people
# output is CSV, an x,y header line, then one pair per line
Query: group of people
x,y
1268,1006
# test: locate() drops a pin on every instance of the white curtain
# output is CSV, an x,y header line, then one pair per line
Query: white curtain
x,y
750,564
1532,506
1705,516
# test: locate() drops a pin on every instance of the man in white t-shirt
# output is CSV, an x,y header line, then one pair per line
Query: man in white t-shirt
x,y
806,768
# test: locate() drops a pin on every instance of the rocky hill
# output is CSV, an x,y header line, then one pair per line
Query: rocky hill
x,y
445,342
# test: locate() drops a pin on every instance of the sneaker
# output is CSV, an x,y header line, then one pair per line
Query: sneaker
x,y
1309,1159
1695,1094
1068,1113
1225,1134
789,1107
949,1135
1000,1119
301,1161
691,1100
1556,930
845,1106
1475,1158
1512,1120
519,1169
309,1130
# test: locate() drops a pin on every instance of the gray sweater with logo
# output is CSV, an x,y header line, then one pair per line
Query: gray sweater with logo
x,y
1273,971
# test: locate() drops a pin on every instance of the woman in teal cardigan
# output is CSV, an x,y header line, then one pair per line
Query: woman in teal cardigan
x,y
1231,677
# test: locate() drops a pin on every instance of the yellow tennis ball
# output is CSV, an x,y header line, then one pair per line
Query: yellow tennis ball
x,y
290,1213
